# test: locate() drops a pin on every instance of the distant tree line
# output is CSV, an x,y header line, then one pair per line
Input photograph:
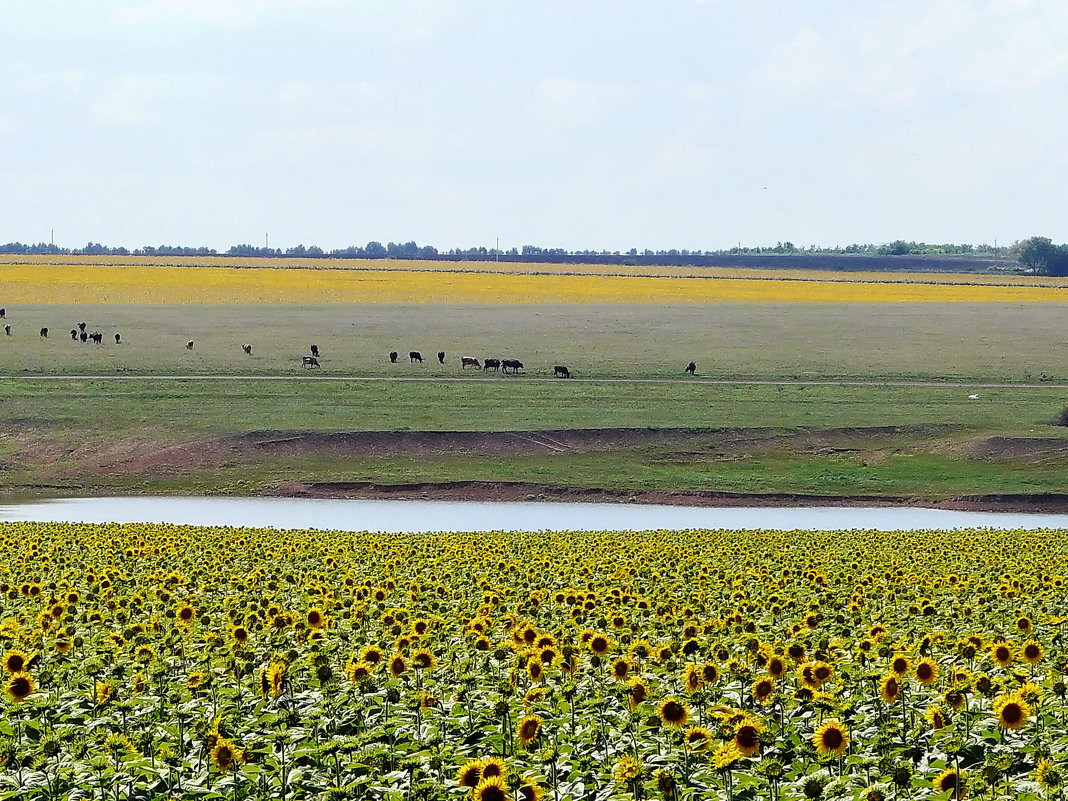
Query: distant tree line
x,y
1037,254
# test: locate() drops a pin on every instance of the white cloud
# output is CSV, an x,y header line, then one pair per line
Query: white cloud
x,y
239,12
135,100
561,103
328,97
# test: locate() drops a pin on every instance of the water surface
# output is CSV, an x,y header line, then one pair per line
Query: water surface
x,y
425,516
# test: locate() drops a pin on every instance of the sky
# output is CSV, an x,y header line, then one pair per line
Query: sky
x,y
581,124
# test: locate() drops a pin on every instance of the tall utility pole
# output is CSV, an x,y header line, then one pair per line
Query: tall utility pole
x,y
266,241
497,251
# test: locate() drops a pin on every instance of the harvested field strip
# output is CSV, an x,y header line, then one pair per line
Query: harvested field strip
x,y
147,284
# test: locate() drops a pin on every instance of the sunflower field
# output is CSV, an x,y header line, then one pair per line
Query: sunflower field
x,y
158,661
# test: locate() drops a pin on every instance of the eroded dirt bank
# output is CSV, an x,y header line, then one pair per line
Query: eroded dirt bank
x,y
110,467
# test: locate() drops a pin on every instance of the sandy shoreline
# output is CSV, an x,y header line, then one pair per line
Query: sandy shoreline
x,y
489,492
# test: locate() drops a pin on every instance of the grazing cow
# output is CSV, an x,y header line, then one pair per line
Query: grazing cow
x,y
511,364
81,327
74,334
415,356
561,371
44,332
189,345
84,337
691,368
491,364
3,313
118,339
247,349
7,330
441,356
97,337
393,357
314,350
309,361
469,361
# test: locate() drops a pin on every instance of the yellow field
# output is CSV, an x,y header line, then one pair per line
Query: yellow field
x,y
311,281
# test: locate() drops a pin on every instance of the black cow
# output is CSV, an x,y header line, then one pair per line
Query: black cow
x,y
314,350
74,334
511,364
491,364
3,313
415,356
118,339
189,345
393,357
441,356
247,349
81,327
44,332
7,330
691,368
97,337
561,371
309,361
468,361
84,337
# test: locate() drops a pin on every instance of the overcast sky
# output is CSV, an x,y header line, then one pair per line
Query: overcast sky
x,y
600,124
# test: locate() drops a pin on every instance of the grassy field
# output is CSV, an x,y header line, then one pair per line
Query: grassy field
x,y
128,428
969,342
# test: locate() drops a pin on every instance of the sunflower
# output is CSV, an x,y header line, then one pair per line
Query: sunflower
x,y
697,738
16,661
726,755
528,730
600,644
747,738
709,673
673,713
796,651
950,781
1012,711
315,618
185,614
926,672
900,664
638,692
224,754
493,766
372,655
763,690
358,671
956,699
102,692
397,665
890,688
470,773
1032,652
424,659
691,678
621,669
1002,654
831,739
272,679
1047,774
20,686
536,670
628,770
776,667
529,790
934,716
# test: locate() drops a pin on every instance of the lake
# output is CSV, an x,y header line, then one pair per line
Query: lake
x,y
426,516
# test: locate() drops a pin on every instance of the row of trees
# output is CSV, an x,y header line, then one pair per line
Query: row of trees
x,y
1037,254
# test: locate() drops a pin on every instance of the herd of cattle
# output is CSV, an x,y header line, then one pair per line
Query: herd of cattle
x,y
311,359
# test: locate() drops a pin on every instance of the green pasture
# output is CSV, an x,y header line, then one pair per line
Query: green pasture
x,y
956,342
74,416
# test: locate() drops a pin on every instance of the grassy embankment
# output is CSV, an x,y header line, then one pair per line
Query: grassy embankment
x,y
93,435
